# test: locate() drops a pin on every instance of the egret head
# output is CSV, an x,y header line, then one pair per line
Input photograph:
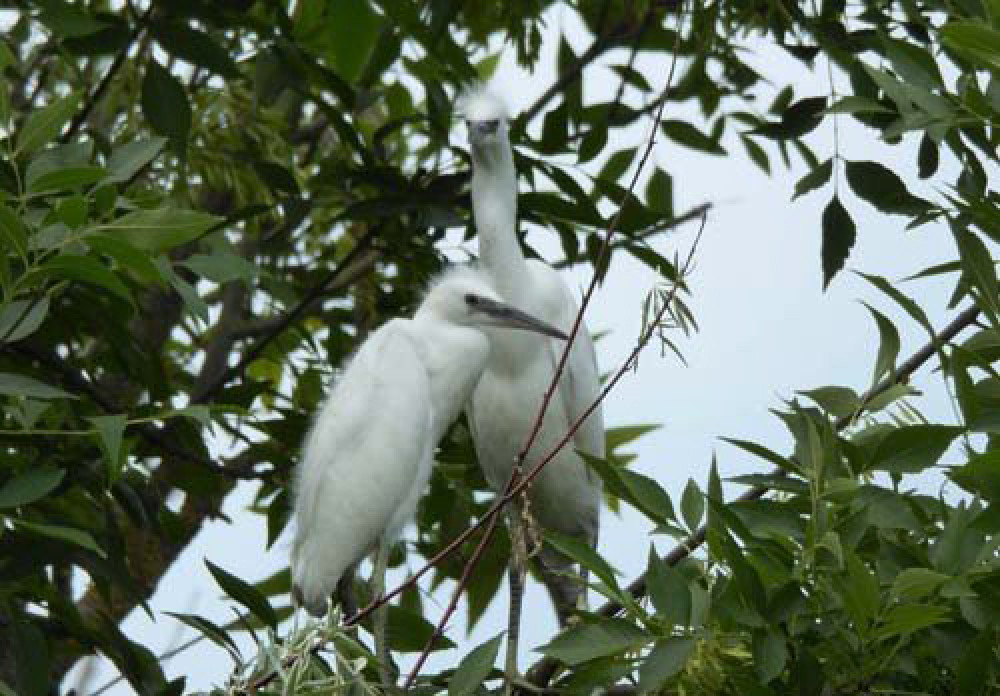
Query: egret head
x,y
486,117
464,296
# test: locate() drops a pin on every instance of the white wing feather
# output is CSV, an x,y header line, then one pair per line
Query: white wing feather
x,y
367,451
580,383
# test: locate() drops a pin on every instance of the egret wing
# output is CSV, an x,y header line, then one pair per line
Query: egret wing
x,y
580,384
367,451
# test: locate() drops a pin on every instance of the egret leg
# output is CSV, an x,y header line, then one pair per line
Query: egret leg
x,y
381,619
515,578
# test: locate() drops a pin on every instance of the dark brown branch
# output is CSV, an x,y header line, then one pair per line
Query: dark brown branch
x,y
542,672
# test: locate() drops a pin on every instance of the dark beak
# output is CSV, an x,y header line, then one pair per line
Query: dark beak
x,y
482,128
505,316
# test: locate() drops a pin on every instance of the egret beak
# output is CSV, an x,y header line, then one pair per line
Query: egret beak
x,y
481,129
505,316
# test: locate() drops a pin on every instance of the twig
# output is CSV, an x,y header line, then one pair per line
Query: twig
x,y
362,245
455,596
544,669
91,101
517,484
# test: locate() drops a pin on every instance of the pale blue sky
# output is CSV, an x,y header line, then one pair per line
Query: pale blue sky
x,y
767,330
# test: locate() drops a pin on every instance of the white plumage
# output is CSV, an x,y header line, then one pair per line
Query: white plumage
x,y
566,496
368,456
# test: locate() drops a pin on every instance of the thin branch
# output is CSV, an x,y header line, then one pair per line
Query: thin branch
x,y
91,101
207,391
516,485
541,674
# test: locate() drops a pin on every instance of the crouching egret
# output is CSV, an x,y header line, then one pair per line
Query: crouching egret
x,y
566,495
368,456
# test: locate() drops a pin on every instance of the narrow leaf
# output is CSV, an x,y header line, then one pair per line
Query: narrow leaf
x,y
109,432
665,660
43,125
474,668
888,349
591,640
244,593
29,486
839,234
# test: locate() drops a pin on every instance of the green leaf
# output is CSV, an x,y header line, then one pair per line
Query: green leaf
x,y
980,475
194,46
109,432
85,269
595,639
859,590
647,495
126,257
977,664
927,157
660,192
668,589
839,234
126,160
21,385
210,630
409,631
353,30
666,659
165,104
12,231
66,179
883,189
913,448
222,267
684,133
29,486
978,270
814,179
474,668
761,451
888,348
904,619
617,164
841,402
976,40
244,593
913,64
21,318
916,583
43,125
692,505
857,105
581,552
71,535
911,307
769,654
30,657
161,229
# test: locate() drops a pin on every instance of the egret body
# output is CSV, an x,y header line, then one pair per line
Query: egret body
x,y
368,455
566,495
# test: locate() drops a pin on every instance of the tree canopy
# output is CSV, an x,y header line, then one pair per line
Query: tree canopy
x,y
204,206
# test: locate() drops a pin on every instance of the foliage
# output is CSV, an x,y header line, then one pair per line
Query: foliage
x,y
189,264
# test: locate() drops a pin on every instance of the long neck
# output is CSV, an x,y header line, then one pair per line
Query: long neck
x,y
494,205
454,357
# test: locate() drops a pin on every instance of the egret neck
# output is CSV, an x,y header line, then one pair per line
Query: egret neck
x,y
494,205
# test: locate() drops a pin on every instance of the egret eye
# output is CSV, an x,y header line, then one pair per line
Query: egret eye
x,y
471,300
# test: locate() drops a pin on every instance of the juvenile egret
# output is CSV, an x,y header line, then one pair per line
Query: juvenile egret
x,y
368,456
566,495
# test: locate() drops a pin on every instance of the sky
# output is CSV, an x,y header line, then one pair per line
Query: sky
x,y
767,329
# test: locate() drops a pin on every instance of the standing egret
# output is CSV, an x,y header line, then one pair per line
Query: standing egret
x,y
368,456
566,495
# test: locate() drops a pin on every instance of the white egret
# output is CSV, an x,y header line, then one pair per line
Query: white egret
x,y
368,456
566,496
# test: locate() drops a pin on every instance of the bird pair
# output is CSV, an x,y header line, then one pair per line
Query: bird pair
x,y
368,456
